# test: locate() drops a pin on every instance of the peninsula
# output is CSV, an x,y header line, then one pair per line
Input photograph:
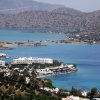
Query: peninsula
x,y
45,66
19,81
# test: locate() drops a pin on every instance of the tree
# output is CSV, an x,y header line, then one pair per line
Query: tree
x,y
34,73
56,63
76,92
92,93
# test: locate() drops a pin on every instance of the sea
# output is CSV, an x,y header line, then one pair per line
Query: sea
x,y
85,56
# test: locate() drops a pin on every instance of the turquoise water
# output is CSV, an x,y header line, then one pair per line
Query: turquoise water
x,y
87,58
20,36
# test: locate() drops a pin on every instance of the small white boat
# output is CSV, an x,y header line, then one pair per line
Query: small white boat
x,y
3,56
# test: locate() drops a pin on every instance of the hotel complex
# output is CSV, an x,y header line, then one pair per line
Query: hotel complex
x,y
30,60
56,70
42,71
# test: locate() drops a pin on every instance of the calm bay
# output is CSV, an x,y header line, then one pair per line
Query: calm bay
x,y
85,56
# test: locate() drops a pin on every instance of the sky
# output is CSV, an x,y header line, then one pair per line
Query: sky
x,y
82,5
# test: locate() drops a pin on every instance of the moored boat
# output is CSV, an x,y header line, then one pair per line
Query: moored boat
x,y
3,56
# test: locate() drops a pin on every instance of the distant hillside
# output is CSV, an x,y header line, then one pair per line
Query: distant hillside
x,y
15,6
66,10
41,19
92,20
52,21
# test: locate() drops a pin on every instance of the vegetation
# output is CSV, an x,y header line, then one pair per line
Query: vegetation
x,y
41,66
21,66
56,63
93,93
53,21
76,92
89,36
14,87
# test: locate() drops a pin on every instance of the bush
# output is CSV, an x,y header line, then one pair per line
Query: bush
x,y
92,93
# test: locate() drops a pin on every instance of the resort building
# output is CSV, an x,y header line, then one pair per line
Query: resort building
x,y
45,71
55,70
30,60
2,63
54,90
74,98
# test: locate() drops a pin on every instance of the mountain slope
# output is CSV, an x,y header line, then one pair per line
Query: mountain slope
x,y
13,6
51,20
65,10
41,19
92,20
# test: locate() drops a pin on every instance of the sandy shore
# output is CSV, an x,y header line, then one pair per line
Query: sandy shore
x,y
41,43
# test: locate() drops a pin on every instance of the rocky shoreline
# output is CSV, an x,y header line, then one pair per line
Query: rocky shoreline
x,y
70,70
13,45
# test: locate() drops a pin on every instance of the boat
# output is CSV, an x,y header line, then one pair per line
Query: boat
x,y
3,56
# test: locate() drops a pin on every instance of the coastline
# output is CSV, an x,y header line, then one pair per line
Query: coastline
x,y
61,69
68,40
12,45
60,73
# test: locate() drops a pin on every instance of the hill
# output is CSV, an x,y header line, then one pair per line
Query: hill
x,y
16,6
51,20
66,10
41,20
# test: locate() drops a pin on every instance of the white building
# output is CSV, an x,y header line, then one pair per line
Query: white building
x,y
56,90
2,63
84,93
74,98
30,60
27,80
71,98
96,99
45,71
2,55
